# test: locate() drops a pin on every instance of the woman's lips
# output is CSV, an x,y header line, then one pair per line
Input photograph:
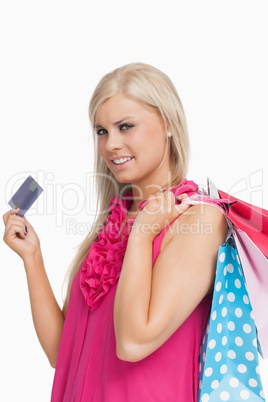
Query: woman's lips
x,y
122,165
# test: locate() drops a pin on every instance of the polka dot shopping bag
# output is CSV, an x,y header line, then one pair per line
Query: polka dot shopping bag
x,y
228,362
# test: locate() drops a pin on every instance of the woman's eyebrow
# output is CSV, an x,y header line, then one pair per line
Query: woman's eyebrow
x,y
120,121
116,122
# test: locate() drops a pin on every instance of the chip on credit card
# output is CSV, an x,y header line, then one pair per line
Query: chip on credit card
x,y
25,196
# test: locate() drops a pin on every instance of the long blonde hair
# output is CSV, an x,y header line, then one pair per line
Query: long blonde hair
x,y
151,87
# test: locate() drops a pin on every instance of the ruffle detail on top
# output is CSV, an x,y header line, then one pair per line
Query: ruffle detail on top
x,y
102,266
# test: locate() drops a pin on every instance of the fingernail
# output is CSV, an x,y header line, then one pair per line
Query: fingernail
x,y
26,230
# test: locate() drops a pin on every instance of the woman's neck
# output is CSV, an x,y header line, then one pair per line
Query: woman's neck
x,y
143,194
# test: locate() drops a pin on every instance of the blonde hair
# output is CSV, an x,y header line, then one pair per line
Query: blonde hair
x,y
154,89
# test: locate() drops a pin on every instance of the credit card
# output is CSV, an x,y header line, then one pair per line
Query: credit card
x,y
25,196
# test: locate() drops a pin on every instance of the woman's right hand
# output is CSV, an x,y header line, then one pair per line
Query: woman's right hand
x,y
24,244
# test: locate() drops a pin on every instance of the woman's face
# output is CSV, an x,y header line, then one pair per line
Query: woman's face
x,y
125,128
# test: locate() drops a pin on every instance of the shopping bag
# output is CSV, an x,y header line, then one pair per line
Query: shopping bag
x,y
250,229
228,363
247,217
250,219
255,269
254,262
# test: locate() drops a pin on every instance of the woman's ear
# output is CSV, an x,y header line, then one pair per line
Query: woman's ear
x,y
168,126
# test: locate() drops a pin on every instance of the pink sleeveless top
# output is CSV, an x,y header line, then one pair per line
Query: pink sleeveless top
x,y
88,369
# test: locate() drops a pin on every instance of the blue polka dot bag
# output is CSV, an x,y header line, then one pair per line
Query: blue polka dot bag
x,y
229,362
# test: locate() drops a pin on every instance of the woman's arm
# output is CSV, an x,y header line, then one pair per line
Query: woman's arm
x,y
47,316
151,304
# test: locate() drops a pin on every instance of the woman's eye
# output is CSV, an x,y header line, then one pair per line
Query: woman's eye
x,y
127,126
123,127
100,132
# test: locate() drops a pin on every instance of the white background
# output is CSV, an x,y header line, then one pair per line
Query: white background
x,y
53,54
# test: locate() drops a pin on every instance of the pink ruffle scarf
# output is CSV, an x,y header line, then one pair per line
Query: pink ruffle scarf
x,y
102,266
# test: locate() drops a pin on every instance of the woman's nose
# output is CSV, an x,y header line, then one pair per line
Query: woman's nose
x,y
114,140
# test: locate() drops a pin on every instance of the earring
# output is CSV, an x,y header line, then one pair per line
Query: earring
x,y
169,134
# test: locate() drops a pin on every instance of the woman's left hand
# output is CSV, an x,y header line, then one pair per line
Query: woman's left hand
x,y
159,211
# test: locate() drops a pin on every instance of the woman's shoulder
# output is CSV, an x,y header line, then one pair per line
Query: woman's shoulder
x,y
207,209
201,220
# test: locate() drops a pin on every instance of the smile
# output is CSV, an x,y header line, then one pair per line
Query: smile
x,y
119,166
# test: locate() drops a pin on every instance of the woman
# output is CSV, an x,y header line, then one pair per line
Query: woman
x,y
140,286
